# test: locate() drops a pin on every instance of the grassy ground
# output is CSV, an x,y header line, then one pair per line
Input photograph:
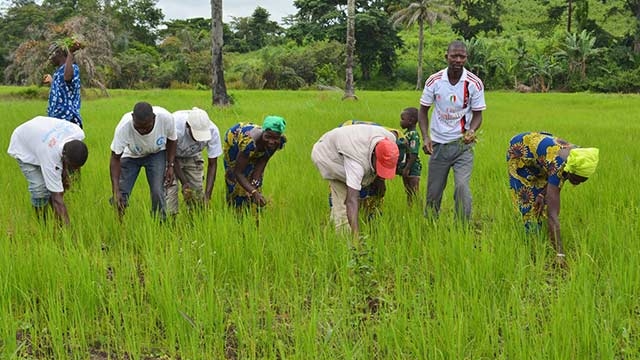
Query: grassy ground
x,y
214,286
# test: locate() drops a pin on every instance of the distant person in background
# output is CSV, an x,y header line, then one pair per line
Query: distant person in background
x,y
409,165
145,137
47,151
195,132
64,95
247,149
539,164
457,97
351,157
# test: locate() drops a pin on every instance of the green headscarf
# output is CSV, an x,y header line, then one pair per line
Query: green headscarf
x,y
582,161
274,123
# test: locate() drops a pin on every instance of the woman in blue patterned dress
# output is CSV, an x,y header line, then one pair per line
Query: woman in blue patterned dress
x,y
247,148
539,164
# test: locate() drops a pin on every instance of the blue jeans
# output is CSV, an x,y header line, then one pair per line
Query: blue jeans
x,y
40,195
155,166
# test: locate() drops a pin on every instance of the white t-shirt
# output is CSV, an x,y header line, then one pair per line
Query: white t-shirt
x,y
187,146
344,154
454,104
39,141
130,143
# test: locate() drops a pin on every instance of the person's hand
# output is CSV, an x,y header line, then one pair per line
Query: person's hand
x,y
469,136
47,79
428,146
119,204
406,171
560,262
75,46
168,176
187,192
258,199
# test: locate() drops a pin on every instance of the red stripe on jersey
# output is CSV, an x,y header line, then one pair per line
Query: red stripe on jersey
x,y
475,80
433,78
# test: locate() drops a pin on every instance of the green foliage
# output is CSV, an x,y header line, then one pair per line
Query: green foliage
x,y
29,92
383,53
473,17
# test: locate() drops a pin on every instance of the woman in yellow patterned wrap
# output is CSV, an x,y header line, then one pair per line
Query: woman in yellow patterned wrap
x,y
539,164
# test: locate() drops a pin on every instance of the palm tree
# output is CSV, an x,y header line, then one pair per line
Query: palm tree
x,y
577,49
349,91
422,11
218,87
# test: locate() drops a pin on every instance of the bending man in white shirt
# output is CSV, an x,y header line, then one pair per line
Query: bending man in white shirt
x,y
145,137
47,151
195,132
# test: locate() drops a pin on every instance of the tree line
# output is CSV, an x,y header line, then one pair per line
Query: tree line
x,y
530,45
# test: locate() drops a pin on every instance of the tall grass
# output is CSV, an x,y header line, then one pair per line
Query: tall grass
x,y
216,286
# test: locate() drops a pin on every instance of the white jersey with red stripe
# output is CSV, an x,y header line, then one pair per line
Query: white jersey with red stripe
x,y
454,104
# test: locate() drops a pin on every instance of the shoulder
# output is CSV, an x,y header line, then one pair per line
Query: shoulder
x,y
474,81
124,120
435,77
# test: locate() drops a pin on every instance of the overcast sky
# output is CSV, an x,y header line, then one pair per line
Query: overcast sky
x,y
185,9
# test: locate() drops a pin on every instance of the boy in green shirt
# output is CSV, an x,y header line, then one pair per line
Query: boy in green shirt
x,y
409,165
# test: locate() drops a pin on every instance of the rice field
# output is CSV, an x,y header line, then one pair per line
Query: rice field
x,y
214,286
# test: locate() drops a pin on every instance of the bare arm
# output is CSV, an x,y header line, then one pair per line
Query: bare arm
x,y
171,158
553,213
411,159
59,208
68,67
476,122
212,169
177,170
423,124
241,163
353,204
114,172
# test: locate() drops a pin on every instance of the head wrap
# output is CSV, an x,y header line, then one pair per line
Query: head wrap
x,y
274,123
582,161
53,49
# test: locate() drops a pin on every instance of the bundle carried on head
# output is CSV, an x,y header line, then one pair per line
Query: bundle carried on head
x,y
66,44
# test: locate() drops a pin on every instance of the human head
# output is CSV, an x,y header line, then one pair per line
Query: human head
x,y
56,54
386,154
456,55
274,123
143,117
408,117
273,128
74,154
198,123
581,164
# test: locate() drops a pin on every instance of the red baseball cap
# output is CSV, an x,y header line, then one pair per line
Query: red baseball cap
x,y
387,154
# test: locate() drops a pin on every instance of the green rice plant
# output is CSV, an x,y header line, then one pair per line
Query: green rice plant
x,y
215,285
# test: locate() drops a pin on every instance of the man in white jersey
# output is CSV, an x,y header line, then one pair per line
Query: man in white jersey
x,y
48,150
458,99
351,157
195,132
145,137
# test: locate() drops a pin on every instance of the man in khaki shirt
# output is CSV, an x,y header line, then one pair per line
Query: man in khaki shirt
x,y
349,158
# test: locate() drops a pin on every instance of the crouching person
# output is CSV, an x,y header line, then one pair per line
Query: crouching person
x,y
195,132
48,150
